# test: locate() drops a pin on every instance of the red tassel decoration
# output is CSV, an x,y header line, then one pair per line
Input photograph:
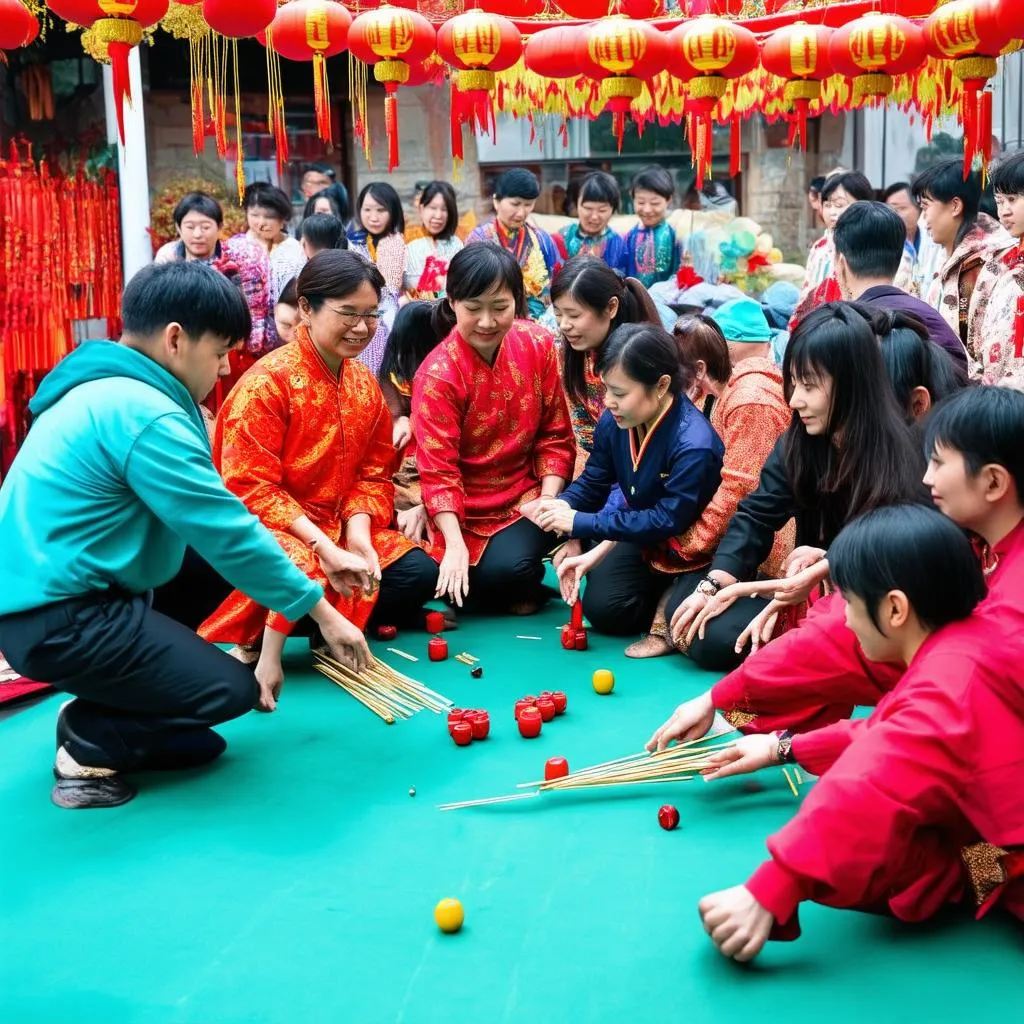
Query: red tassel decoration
x,y
458,152
122,83
1018,329
391,123
322,99
198,135
734,146
985,131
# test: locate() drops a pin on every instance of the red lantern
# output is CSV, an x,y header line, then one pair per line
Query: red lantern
x,y
872,49
237,19
513,8
622,53
707,52
312,30
391,39
799,54
477,44
585,10
78,12
16,25
551,53
642,8
971,34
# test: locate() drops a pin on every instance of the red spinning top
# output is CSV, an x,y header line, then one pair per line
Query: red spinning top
x,y
481,725
435,622
462,733
576,619
561,702
569,637
580,640
668,817
387,632
455,716
530,723
556,768
437,648
546,707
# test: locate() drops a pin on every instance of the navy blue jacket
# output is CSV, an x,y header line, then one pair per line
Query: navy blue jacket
x,y
676,471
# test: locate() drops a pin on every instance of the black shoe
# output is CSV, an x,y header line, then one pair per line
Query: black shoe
x,y
190,748
83,794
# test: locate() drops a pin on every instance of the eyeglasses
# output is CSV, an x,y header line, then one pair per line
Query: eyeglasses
x,y
349,317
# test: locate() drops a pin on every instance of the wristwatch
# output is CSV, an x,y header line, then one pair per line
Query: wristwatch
x,y
708,587
785,748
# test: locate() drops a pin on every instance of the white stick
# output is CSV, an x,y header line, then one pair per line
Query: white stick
x,y
402,654
529,638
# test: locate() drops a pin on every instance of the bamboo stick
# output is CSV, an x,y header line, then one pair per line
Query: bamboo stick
x,y
785,771
486,801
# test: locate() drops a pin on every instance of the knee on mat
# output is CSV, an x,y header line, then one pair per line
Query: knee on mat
x,y
512,576
424,575
610,615
233,694
717,651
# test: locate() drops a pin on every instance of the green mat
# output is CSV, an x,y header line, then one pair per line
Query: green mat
x,y
294,881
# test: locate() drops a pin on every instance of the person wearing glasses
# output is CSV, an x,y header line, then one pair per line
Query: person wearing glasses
x,y
305,440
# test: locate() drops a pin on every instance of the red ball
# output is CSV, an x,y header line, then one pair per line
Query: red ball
x,y
668,817
481,725
546,708
437,649
462,733
530,723
561,702
556,768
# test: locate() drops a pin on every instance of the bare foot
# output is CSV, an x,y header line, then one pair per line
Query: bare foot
x,y
650,646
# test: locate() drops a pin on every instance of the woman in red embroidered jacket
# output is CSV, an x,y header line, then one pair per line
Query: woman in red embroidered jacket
x,y
922,802
492,433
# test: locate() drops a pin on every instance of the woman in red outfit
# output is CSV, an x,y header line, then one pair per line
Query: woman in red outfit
x,y
492,433
920,805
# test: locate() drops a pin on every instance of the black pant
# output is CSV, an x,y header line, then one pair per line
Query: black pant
x,y
198,590
511,568
139,677
622,592
717,651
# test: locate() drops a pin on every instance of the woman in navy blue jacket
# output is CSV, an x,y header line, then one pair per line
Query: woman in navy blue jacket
x,y
665,459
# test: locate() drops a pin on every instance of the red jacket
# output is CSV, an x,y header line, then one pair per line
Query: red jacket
x,y
907,794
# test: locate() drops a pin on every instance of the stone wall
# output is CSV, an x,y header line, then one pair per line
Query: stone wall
x,y
776,178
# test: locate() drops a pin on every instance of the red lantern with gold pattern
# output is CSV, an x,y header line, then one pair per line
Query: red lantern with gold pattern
x,y
585,10
311,30
476,44
706,53
970,34
799,54
238,19
16,24
622,53
391,39
873,49
513,8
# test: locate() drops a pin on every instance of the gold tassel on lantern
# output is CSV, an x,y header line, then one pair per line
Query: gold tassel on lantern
x,y
185,21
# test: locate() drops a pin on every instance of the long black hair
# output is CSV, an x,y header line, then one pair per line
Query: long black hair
x,y
591,282
414,335
646,353
473,272
867,457
384,194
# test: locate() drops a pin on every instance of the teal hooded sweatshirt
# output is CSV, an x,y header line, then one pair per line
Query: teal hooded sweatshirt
x,y
115,478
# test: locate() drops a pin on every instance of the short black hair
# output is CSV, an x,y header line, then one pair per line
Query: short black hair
x,y
853,183
334,274
431,190
189,293
914,549
198,202
327,172
871,237
943,182
986,426
653,179
1007,175
477,268
517,183
336,194
323,231
599,187
646,353
385,194
270,197
817,184
896,189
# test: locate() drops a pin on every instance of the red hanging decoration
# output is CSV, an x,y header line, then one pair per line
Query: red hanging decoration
x,y
799,54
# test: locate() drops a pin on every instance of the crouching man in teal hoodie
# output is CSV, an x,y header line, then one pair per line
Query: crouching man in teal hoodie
x,y
114,480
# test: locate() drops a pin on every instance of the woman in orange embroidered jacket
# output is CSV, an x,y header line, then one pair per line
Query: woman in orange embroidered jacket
x,y
304,439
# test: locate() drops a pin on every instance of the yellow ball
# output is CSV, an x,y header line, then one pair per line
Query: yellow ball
x,y
604,681
449,915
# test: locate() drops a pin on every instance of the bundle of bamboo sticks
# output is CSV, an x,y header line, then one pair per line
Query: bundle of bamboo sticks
x,y
387,693
674,764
